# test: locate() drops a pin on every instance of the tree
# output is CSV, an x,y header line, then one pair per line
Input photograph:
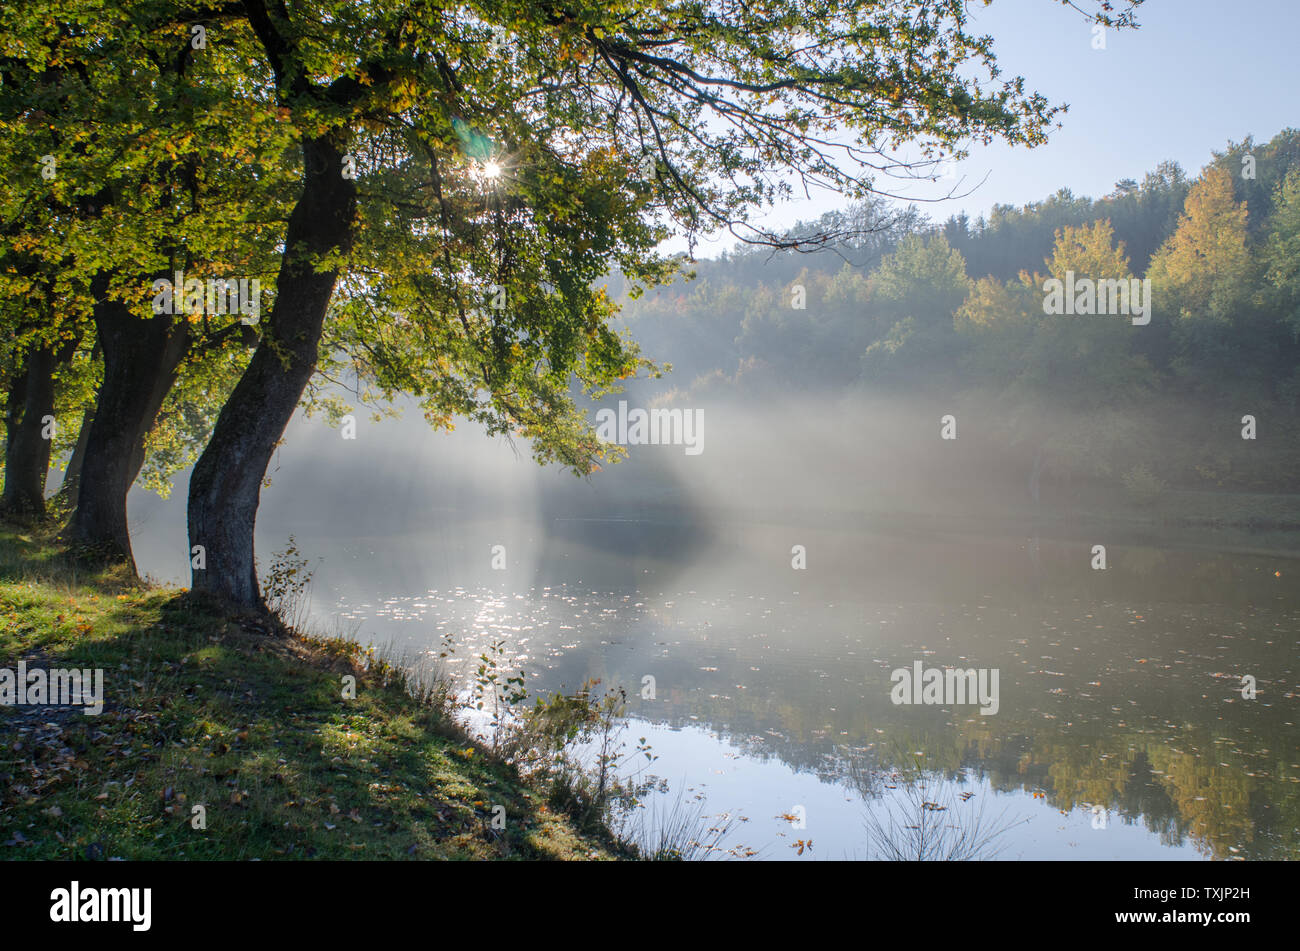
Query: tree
x,y
1203,263
1039,366
495,143
1281,253
1086,360
1068,360
914,293
42,315
1203,277
29,425
149,116
1256,170
705,101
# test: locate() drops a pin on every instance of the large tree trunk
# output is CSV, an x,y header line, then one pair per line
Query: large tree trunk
x,y
225,487
27,450
141,357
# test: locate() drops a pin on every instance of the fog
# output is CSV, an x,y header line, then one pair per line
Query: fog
x,y
799,462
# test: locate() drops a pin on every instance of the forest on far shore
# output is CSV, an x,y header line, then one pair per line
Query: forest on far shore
x,y
951,315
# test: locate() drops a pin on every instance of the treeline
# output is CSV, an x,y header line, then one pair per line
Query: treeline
x,y
955,311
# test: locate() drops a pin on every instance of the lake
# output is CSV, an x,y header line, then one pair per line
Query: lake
x,y
1121,728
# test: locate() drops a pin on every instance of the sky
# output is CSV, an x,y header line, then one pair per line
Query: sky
x,y
1195,75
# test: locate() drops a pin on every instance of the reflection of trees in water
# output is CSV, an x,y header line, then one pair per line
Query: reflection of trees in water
x,y
1180,783
1174,785
918,816
1183,784
1190,784
1126,721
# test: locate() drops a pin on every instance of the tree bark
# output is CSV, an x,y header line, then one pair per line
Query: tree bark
x,y
141,358
27,449
27,455
225,487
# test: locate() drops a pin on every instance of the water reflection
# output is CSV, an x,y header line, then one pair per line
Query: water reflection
x,y
920,816
1121,706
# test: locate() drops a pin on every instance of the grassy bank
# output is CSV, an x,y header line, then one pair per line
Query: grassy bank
x,y
249,725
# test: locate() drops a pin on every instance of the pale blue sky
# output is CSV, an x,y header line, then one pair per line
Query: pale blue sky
x,y
1197,74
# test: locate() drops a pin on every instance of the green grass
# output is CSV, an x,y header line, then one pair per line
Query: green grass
x,y
250,725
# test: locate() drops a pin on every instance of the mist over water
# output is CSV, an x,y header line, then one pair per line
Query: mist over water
x,y
1121,731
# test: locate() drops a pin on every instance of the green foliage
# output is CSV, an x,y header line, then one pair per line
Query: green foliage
x,y
1012,238
1281,253
575,741
162,158
497,692
287,586
915,292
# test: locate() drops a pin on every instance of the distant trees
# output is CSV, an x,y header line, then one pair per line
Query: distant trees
x,y
1281,254
1018,349
1203,278
959,308
915,291
1142,216
1204,267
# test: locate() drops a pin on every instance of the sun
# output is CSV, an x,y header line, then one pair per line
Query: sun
x,y
487,171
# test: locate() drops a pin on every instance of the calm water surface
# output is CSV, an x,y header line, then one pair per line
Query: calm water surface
x,y
1121,730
